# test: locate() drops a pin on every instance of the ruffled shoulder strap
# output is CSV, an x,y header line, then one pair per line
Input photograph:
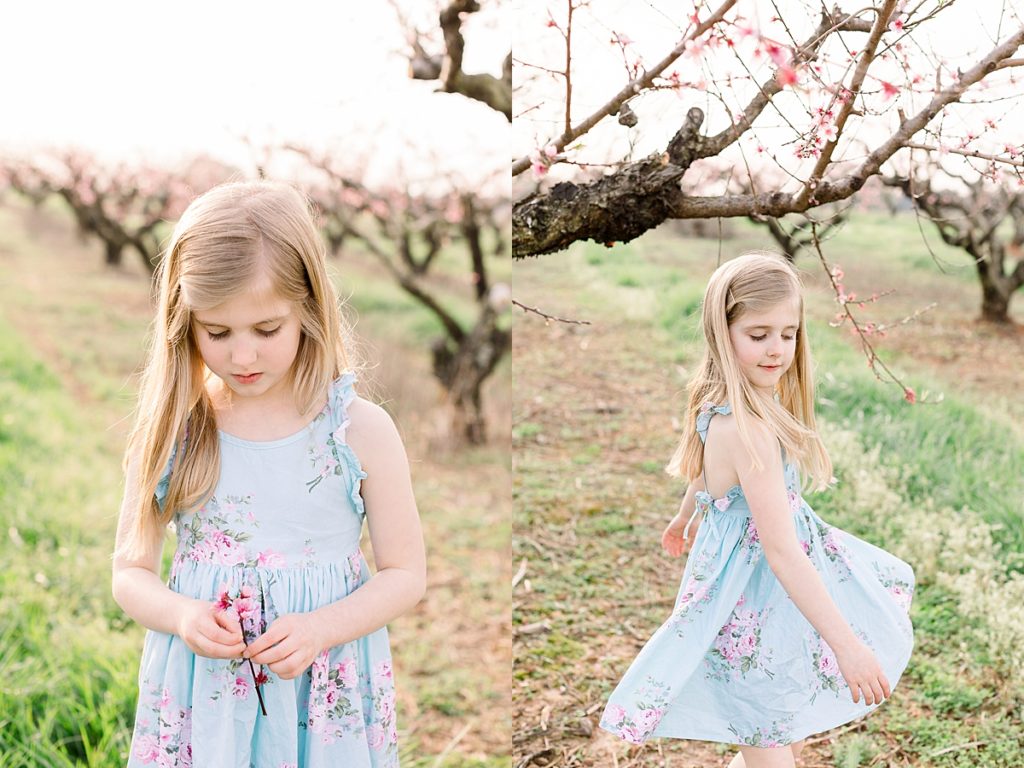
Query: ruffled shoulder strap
x,y
707,410
341,396
165,477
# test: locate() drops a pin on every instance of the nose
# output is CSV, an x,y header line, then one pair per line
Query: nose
x,y
243,354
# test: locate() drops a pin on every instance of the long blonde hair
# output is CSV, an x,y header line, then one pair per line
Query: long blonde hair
x,y
753,282
225,239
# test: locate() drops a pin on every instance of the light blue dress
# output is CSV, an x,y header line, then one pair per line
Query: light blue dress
x,y
280,535
737,662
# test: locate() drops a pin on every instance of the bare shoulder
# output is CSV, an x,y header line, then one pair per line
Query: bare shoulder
x,y
726,447
372,432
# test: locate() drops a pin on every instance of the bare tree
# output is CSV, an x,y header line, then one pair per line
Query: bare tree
x,y
442,60
125,207
986,220
404,233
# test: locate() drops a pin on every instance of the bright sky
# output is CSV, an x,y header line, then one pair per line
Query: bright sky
x,y
162,80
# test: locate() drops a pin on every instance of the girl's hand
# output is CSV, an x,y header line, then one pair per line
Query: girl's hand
x,y
672,540
288,646
863,674
210,632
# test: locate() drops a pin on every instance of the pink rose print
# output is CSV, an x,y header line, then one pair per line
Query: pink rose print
x,y
636,723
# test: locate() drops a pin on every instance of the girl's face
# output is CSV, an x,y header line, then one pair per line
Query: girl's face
x,y
765,342
250,341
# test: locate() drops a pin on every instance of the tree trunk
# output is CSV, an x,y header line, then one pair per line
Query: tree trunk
x,y
113,254
462,369
995,305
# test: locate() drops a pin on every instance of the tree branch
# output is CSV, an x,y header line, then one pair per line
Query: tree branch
x,y
631,88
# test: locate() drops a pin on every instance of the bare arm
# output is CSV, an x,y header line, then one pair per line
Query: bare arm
x,y
395,531
292,642
140,592
765,491
673,540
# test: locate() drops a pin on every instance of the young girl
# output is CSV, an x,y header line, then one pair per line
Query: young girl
x,y
267,646
784,626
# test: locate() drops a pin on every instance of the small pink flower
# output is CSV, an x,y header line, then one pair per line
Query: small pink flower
x,y
268,558
631,734
386,705
347,675
909,395
648,719
240,690
375,736
147,748
615,713
786,76
889,90
723,503
383,670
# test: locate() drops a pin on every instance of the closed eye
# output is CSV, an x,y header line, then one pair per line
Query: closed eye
x,y
264,334
765,336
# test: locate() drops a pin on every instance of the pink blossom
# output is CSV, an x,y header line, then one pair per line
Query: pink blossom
x,y
778,54
897,24
889,90
383,670
909,395
786,76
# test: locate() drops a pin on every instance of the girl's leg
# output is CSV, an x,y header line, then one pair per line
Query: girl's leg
x,y
755,757
739,762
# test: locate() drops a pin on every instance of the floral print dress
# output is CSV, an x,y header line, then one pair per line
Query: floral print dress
x,y
280,535
737,662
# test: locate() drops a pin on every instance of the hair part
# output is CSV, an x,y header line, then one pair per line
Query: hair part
x,y
757,281
226,240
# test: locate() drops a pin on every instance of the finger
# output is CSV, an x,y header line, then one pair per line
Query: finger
x,y
876,688
289,667
213,630
869,697
228,620
266,642
854,691
274,654
885,687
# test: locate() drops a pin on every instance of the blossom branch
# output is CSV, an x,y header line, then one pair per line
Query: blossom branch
x,y
631,88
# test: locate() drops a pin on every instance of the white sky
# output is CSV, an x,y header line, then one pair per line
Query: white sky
x,y
159,80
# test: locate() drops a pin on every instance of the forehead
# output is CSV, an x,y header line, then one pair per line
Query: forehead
x,y
786,314
253,304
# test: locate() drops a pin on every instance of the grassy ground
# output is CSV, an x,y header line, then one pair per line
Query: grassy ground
x,y
71,336
595,419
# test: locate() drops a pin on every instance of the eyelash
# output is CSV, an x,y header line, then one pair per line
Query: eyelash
x,y
762,338
223,334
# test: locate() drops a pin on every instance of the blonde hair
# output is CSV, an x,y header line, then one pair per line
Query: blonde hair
x,y
753,282
226,239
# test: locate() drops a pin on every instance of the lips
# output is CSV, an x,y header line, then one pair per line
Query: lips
x,y
248,378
